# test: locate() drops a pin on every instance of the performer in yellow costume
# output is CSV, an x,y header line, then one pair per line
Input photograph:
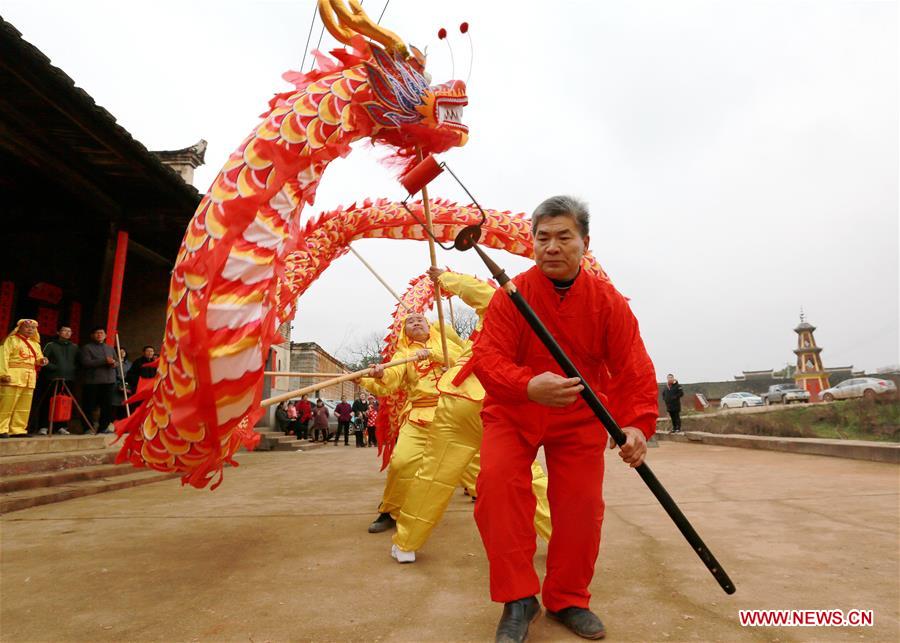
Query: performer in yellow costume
x,y
20,358
454,439
419,380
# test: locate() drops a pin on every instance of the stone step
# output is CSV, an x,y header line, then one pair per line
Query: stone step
x,y
66,476
298,445
52,444
306,445
293,445
41,463
26,498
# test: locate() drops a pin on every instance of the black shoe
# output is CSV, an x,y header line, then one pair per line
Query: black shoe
x,y
517,616
383,522
3,436
581,621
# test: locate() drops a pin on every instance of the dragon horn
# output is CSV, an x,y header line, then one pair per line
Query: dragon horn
x,y
343,23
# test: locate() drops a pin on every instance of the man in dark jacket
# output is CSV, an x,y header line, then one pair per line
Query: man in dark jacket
x,y
61,356
672,395
139,369
98,364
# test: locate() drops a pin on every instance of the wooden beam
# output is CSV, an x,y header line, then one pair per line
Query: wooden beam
x,y
42,157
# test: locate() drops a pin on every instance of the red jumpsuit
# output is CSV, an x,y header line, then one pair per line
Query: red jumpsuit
x,y
595,327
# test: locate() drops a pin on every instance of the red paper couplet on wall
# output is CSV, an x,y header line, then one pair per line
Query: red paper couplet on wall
x,y
7,290
75,320
47,293
48,320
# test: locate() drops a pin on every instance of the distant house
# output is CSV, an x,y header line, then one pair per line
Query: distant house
x,y
309,357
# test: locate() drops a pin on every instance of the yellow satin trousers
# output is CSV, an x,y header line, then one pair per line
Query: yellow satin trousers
x,y
15,407
449,459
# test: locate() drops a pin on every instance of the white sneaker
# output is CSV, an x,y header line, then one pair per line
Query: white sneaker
x,y
43,431
63,432
402,556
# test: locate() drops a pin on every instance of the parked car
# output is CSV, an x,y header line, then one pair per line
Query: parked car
x,y
867,387
742,399
785,394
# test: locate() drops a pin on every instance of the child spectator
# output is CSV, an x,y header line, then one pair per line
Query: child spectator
x,y
359,427
371,417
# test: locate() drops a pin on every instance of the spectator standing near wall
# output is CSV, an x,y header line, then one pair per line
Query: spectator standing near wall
x,y
122,391
20,360
62,355
359,427
98,371
344,413
304,415
672,395
292,419
371,418
139,369
320,421
281,417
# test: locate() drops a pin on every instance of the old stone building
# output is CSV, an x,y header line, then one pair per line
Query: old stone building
x,y
309,357
92,219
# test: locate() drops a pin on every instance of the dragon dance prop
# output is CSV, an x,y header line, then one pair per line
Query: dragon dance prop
x,y
246,259
228,285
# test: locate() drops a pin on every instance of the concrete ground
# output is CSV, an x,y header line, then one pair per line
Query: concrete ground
x,y
280,552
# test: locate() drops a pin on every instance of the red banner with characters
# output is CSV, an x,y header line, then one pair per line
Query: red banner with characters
x,y
7,291
48,320
75,320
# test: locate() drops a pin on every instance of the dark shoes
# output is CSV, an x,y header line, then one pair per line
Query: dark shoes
x,y
382,523
581,621
517,616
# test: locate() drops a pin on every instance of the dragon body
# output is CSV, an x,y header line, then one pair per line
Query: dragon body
x,y
225,294
246,258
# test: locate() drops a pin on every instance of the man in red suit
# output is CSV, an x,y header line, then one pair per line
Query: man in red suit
x,y
530,403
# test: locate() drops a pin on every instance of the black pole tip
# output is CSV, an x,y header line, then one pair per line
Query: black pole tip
x,y
467,238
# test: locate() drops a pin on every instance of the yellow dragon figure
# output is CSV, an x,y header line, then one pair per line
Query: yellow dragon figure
x,y
226,286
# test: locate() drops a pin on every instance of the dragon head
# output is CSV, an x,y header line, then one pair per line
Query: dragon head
x,y
405,110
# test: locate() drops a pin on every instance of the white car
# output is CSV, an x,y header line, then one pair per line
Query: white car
x,y
736,400
867,387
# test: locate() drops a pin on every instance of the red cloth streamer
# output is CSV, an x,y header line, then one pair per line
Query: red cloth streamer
x,y
421,175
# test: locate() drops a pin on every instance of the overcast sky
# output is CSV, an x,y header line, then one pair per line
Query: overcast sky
x,y
740,158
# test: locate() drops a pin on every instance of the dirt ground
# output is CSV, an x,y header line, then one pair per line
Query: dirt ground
x,y
280,552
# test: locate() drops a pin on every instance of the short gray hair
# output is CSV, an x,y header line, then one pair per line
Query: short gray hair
x,y
563,206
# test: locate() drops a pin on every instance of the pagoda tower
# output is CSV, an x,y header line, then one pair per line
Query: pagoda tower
x,y
810,375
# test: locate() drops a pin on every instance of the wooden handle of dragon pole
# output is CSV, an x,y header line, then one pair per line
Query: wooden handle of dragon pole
x,y
298,374
379,278
122,373
337,380
426,206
